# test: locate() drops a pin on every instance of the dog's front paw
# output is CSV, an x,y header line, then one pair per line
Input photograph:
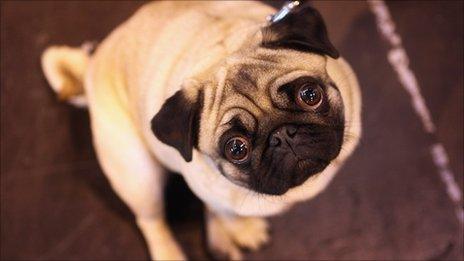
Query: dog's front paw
x,y
249,233
226,235
220,242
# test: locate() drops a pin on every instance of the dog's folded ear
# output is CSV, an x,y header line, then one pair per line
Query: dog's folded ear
x,y
177,123
302,29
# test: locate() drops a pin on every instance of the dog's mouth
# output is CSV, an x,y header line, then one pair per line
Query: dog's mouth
x,y
286,174
295,159
278,182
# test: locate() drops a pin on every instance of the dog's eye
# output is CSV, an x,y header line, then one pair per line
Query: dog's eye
x,y
237,149
309,96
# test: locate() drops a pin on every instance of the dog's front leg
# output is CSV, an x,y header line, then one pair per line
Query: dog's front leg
x,y
228,233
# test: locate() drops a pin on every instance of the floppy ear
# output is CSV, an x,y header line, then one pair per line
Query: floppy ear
x,y
301,29
177,123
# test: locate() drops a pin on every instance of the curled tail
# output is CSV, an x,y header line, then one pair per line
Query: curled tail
x,y
64,68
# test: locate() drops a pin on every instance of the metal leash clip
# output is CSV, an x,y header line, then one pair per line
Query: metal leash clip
x,y
287,8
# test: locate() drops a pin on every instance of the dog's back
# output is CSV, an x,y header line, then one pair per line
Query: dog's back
x,y
163,27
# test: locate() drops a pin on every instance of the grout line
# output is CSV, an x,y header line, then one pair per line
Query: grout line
x,y
399,60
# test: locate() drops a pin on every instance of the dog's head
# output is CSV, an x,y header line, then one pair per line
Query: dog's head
x,y
269,116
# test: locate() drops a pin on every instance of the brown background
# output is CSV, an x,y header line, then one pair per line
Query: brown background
x,y
388,202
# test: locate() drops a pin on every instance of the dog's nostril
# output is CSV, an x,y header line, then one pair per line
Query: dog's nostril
x,y
284,133
291,130
274,141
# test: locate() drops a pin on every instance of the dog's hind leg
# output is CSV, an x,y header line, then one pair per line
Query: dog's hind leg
x,y
134,174
64,68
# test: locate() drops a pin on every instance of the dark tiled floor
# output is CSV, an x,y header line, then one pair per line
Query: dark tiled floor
x,y
387,203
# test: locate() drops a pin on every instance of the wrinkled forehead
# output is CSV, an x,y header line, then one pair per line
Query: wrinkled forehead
x,y
270,63
246,85
252,77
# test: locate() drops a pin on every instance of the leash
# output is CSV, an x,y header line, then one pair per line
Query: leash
x,y
284,11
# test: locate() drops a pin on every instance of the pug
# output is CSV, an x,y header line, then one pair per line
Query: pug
x,y
255,114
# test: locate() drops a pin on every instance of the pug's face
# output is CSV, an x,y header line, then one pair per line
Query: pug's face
x,y
275,119
271,117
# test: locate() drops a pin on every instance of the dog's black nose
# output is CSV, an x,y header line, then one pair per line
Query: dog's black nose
x,y
281,134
